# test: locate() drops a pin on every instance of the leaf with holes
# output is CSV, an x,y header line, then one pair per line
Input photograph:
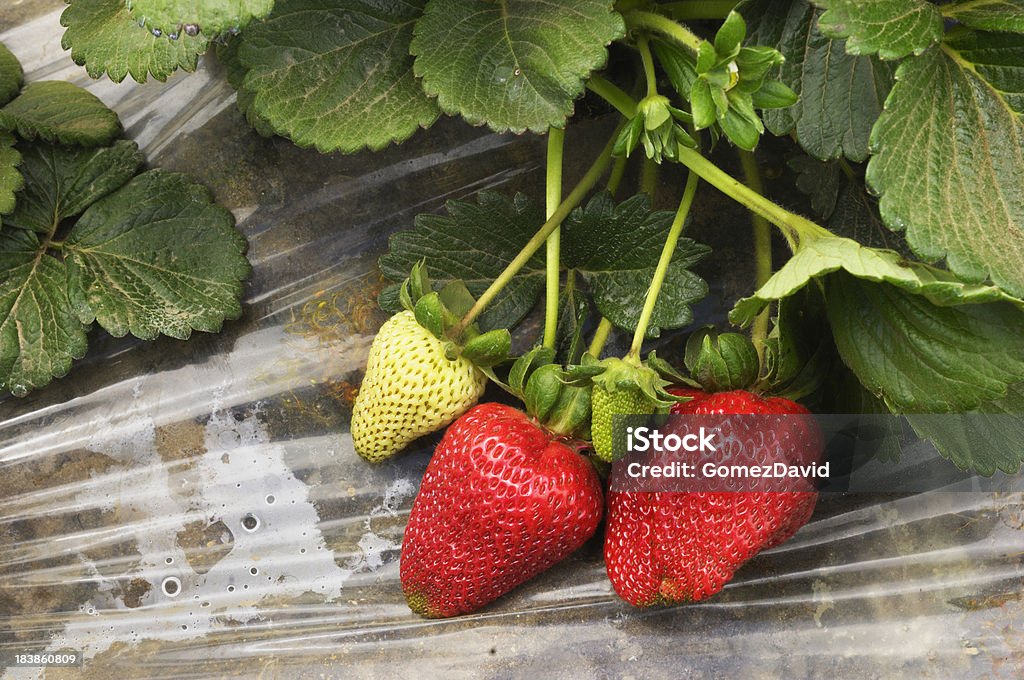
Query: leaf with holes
x,y
513,64
39,333
11,75
474,242
156,256
56,111
891,28
63,181
174,18
949,157
336,74
619,277
103,37
841,94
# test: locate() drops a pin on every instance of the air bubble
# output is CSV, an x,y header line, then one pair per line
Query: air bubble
x,y
250,522
231,589
271,500
171,586
254,571
169,560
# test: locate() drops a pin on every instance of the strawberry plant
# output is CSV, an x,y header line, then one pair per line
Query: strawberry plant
x,y
902,289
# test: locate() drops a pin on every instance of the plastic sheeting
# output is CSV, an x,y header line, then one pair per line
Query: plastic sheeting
x,y
189,509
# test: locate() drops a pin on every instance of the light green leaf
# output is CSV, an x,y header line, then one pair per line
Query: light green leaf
x,y
473,242
62,181
841,94
892,28
175,18
336,74
619,277
920,357
11,180
156,256
11,75
103,37
512,64
57,111
989,15
826,255
949,164
39,333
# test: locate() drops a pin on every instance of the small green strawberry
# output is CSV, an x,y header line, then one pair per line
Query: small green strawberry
x,y
418,379
624,388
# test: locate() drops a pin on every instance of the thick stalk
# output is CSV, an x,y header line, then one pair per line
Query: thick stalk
x,y
600,338
615,176
613,94
556,140
762,251
533,245
665,26
694,11
663,262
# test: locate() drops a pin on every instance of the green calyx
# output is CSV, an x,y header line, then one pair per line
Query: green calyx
x,y
722,362
625,375
440,312
656,126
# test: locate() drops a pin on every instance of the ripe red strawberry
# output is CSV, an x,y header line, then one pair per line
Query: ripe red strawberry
x,y
501,501
670,547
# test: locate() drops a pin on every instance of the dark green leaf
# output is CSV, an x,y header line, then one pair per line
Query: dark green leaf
x,y
39,332
11,180
11,75
799,353
512,64
820,181
336,74
573,310
840,95
949,166
473,242
988,15
156,256
103,37
920,357
57,111
997,58
592,243
209,17
63,181
892,28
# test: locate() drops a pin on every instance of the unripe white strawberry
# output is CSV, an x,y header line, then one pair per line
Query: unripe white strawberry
x,y
411,389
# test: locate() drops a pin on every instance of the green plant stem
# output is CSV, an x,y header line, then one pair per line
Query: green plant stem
x,y
649,178
691,11
600,338
650,76
762,252
661,24
615,176
533,245
793,227
667,252
556,142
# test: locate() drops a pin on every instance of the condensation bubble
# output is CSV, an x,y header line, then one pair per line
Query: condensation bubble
x,y
171,586
250,522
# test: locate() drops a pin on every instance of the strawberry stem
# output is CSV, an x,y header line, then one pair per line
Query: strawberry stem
x,y
556,140
762,252
667,252
665,26
694,11
615,176
600,338
533,245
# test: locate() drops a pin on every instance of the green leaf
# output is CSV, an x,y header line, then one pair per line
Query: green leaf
x,y
57,111
11,180
799,353
826,255
103,37
949,167
592,243
892,28
227,55
984,440
177,18
512,64
39,333
573,310
997,58
473,242
920,357
63,181
336,74
730,35
11,75
989,15
841,95
156,256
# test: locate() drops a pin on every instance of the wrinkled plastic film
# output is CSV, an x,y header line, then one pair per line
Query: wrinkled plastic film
x,y
186,509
